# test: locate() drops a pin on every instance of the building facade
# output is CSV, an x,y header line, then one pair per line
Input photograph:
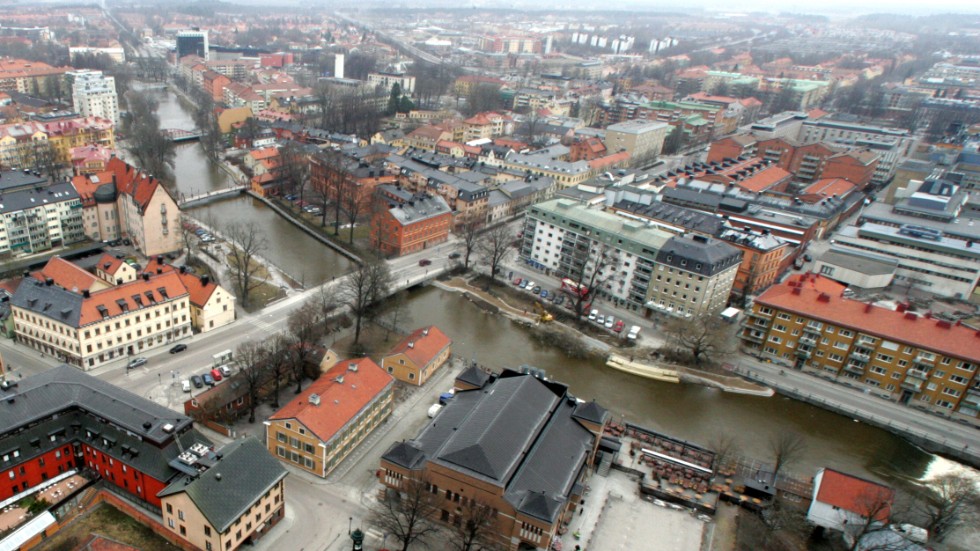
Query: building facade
x,y
644,266
224,499
318,428
898,354
642,139
406,224
418,356
515,444
94,95
192,42
36,215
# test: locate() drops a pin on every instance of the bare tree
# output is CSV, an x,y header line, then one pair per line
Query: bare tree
x,y
246,243
352,200
408,515
469,233
726,450
396,311
873,508
185,237
588,265
294,167
277,362
304,332
948,501
786,448
250,360
475,528
362,289
700,339
493,248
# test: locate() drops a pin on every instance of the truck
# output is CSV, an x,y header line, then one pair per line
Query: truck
x,y
574,288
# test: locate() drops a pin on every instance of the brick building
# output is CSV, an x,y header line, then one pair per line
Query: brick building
x,y
898,354
519,445
403,223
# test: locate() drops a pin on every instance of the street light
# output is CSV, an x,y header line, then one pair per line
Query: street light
x,y
349,521
357,540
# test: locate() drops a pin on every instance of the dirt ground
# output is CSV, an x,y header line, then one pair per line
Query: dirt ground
x,y
110,522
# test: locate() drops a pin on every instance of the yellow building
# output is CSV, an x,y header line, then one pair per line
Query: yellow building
x,y
903,356
224,499
324,423
418,355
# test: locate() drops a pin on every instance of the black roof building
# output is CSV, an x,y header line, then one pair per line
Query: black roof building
x,y
698,254
515,431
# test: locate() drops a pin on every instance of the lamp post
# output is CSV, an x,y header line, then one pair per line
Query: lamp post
x,y
357,540
350,520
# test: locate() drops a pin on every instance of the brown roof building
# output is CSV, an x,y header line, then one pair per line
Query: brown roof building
x,y
418,355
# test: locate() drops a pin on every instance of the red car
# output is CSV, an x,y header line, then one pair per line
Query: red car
x,y
619,326
425,262
518,281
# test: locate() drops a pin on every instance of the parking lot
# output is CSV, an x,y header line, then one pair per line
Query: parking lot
x,y
564,297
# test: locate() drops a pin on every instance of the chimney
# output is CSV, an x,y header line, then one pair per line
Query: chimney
x,y
205,279
48,281
411,345
146,277
867,308
86,293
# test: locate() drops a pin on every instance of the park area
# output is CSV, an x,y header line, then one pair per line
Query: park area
x,y
111,523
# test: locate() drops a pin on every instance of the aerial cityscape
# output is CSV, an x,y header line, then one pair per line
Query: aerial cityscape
x,y
489,277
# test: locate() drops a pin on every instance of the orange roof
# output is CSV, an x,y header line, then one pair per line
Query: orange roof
x,y
112,298
423,345
343,392
764,179
66,275
86,184
109,264
819,298
264,153
854,494
609,160
200,292
750,102
829,187
817,113
130,181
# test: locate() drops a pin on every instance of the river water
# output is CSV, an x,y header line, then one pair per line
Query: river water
x,y
690,412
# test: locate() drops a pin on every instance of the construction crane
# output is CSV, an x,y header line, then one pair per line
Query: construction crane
x,y
543,315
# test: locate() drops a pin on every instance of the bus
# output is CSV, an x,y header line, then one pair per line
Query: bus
x,y
574,288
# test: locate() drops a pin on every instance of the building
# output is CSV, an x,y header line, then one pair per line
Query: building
x,y
763,258
648,268
37,215
841,501
642,139
116,53
388,79
33,78
63,420
94,95
897,354
318,428
212,306
519,445
192,42
403,223
418,356
125,202
224,499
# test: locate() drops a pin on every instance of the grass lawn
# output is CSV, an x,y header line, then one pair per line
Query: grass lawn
x,y
261,273
110,522
263,295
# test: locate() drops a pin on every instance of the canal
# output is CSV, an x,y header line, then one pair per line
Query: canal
x,y
691,412
298,254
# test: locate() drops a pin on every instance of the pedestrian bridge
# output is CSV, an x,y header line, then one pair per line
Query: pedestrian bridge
x,y
177,135
184,201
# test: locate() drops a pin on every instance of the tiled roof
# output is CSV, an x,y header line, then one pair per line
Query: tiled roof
x,y
853,494
423,345
111,299
138,185
66,275
109,264
343,390
242,473
199,291
829,187
820,298
264,153
764,179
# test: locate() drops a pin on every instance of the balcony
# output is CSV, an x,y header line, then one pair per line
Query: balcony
x,y
757,315
803,354
752,336
924,360
920,374
811,331
808,340
914,385
855,368
861,355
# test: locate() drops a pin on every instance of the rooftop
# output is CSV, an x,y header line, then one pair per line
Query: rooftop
x,y
422,345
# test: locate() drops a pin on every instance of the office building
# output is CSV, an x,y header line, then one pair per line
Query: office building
x,y
192,42
94,95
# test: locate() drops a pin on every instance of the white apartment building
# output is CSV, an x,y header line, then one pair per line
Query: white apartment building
x,y
36,215
94,94
649,270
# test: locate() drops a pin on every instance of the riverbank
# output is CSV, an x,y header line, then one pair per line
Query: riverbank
x,y
303,227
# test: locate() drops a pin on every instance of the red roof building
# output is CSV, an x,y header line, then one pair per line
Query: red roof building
x,y
418,355
902,355
324,423
841,501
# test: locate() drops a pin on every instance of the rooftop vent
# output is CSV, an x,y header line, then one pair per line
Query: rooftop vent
x,y
168,428
314,399
352,367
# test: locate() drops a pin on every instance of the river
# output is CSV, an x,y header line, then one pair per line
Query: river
x,y
691,412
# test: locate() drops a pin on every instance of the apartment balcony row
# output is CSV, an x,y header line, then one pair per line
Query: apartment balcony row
x,y
915,385
920,374
854,367
754,336
861,354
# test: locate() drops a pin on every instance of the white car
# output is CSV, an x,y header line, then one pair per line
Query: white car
x,y
434,410
530,286
185,385
609,322
593,314
601,319
634,332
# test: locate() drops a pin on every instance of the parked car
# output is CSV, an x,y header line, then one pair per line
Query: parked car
x,y
618,327
200,231
433,410
216,374
178,348
601,319
518,281
136,362
544,293
208,379
634,333
524,284
593,315
807,257
225,370
425,262
185,385
536,290
530,286
197,381
454,256
445,397
560,300
609,322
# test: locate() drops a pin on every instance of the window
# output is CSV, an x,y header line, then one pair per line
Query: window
x,y
207,530
170,509
951,392
281,437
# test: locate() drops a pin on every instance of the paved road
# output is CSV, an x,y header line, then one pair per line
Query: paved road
x,y
856,402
